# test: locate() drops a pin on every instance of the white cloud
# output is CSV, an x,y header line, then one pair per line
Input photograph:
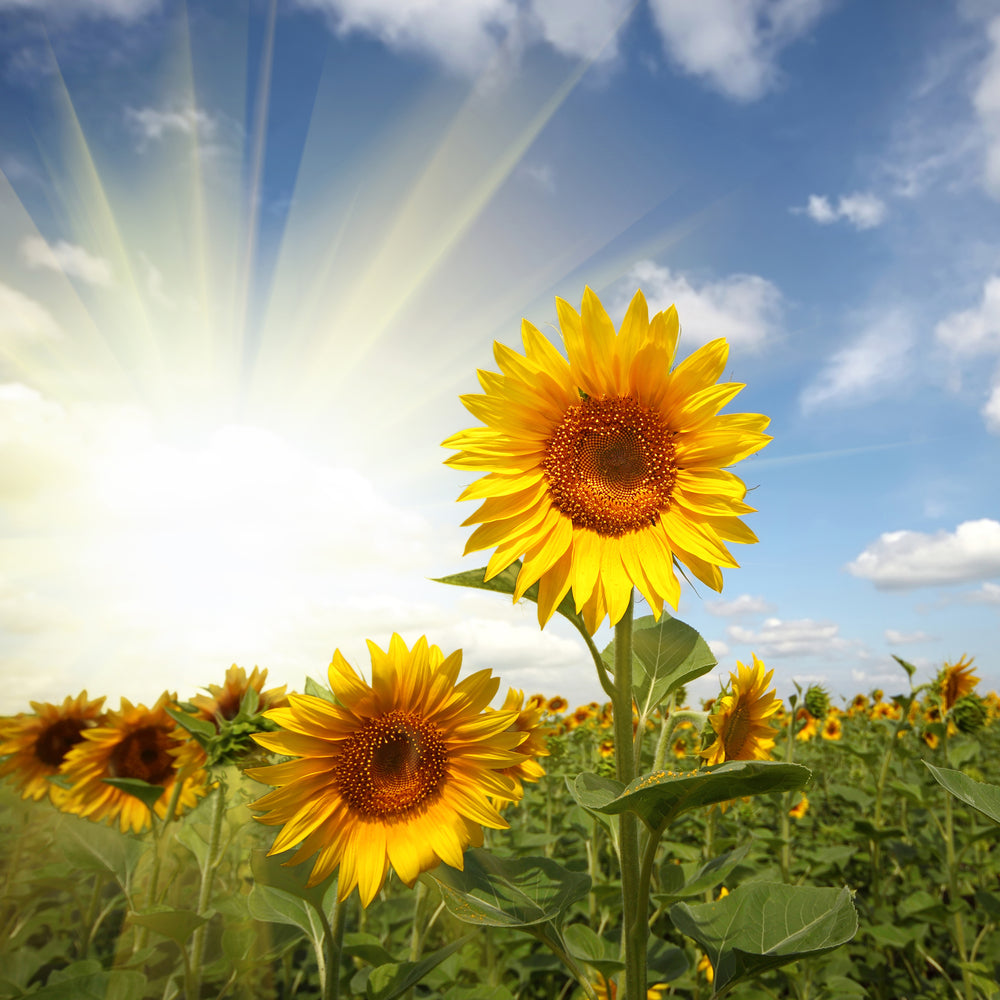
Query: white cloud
x,y
155,124
778,638
878,359
733,44
745,604
988,593
905,559
897,638
22,317
986,101
67,258
743,308
586,30
974,330
122,10
991,408
861,209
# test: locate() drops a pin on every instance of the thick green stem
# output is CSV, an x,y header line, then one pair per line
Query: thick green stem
x,y
954,898
207,876
786,804
334,946
634,928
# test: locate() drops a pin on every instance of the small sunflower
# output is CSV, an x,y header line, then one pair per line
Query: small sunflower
x,y
556,705
799,809
35,745
807,723
884,710
224,701
833,728
528,720
705,967
134,742
858,705
604,469
397,772
741,720
956,680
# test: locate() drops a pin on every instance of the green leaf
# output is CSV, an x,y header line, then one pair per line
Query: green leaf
x,y
146,793
908,667
317,690
478,992
666,962
389,981
279,907
588,947
269,870
178,925
508,892
201,729
666,654
760,926
979,794
685,881
503,583
102,848
87,980
889,935
661,796
367,947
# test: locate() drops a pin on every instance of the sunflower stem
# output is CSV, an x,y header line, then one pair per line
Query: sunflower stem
x,y
634,927
207,877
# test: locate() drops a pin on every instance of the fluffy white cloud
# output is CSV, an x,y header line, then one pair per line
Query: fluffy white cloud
x,y
986,101
743,308
733,44
878,359
67,258
861,209
22,318
802,637
904,559
745,604
988,593
897,638
588,30
975,330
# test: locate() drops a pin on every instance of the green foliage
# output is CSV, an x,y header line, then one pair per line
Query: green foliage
x,y
978,794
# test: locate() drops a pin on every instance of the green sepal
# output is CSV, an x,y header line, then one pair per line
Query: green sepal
x,y
508,892
981,795
761,926
660,797
318,690
146,793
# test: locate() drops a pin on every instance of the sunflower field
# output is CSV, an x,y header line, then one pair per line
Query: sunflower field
x,y
413,829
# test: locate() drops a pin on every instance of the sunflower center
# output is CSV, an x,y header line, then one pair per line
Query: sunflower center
x,y
144,754
393,766
55,741
610,465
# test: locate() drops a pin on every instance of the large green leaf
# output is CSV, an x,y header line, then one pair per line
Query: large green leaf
x,y
762,925
978,794
665,654
504,582
102,848
663,795
597,952
87,980
389,981
279,907
682,881
508,892
178,925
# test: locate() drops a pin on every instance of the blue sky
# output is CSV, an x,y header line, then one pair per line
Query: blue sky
x,y
251,254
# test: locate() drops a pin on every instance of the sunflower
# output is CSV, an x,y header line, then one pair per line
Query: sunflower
x,y
603,470
833,728
858,705
556,705
799,809
134,742
808,725
397,772
35,745
955,681
885,710
742,718
225,701
527,720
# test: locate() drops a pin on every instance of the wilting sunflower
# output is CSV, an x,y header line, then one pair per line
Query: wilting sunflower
x,y
225,700
134,742
742,718
528,720
603,470
955,681
397,772
35,745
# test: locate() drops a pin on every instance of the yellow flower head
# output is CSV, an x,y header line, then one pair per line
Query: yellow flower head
x,y
858,705
527,720
603,469
225,700
955,681
134,742
556,705
705,966
833,728
35,745
397,772
807,723
885,710
799,809
742,717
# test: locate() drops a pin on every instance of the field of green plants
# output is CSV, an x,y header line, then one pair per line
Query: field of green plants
x,y
196,908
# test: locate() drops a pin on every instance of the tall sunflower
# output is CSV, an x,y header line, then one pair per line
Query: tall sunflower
x,y
742,717
397,772
134,742
35,745
603,469
956,680
225,700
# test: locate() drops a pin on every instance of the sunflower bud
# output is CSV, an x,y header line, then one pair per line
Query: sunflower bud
x,y
969,713
817,701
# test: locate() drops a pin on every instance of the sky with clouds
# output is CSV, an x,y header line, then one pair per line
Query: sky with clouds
x,y
251,254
